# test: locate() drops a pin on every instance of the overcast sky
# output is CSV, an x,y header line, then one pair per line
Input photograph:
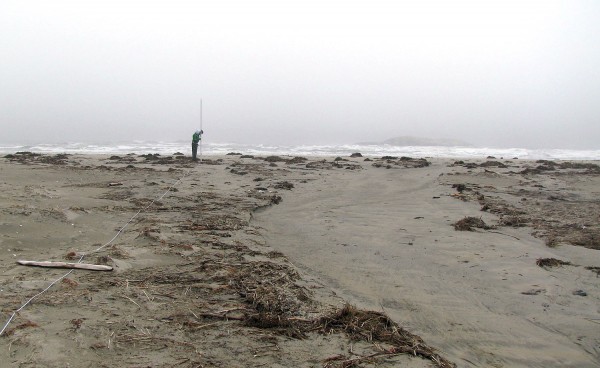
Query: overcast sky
x,y
493,73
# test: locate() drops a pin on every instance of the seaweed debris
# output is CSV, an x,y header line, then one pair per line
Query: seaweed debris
x,y
377,328
390,162
26,157
284,185
493,164
551,262
595,269
470,222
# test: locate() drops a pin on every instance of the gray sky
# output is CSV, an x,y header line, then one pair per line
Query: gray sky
x,y
494,73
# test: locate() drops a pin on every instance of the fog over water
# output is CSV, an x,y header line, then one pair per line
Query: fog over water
x,y
492,73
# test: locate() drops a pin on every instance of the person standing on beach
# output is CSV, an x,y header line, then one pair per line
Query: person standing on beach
x,y
195,140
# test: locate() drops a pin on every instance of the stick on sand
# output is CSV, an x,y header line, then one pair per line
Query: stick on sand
x,y
82,266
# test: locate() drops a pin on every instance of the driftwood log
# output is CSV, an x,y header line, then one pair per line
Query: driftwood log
x,y
82,266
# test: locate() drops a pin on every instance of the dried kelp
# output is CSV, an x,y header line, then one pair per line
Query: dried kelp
x,y
551,262
469,223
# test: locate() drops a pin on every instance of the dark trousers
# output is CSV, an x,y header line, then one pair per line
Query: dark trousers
x,y
194,150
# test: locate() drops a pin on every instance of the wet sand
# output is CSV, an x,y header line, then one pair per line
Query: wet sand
x,y
384,240
249,261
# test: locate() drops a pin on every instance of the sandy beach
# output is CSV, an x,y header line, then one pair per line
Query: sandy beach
x,y
242,261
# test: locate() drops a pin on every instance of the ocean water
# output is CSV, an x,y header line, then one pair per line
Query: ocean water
x,y
210,148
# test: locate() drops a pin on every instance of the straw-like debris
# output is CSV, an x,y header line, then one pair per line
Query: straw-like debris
x,y
283,185
566,167
468,165
21,326
238,285
551,262
26,157
469,223
216,222
460,187
271,291
513,221
322,164
283,325
376,328
493,164
275,159
118,195
390,162
297,160
590,167
595,269
559,217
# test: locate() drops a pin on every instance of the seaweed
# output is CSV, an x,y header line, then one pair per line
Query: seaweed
x,y
551,262
468,223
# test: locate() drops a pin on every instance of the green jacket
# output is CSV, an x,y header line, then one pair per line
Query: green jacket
x,y
196,138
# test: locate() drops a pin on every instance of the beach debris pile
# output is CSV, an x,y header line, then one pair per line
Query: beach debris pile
x,y
393,162
157,159
270,297
551,262
265,172
469,223
283,185
224,280
490,162
228,285
594,269
115,159
545,166
559,217
379,329
289,161
25,157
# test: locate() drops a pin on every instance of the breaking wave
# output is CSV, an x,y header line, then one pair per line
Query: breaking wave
x,y
167,148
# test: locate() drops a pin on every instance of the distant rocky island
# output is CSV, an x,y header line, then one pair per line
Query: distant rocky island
x,y
420,141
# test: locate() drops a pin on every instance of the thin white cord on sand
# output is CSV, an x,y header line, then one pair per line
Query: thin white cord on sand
x,y
30,299
93,251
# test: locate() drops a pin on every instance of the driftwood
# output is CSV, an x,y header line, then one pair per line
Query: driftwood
x,y
82,266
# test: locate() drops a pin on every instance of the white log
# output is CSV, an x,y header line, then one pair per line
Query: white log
x,y
82,266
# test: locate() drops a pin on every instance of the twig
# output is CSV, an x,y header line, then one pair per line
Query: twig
x,y
180,363
144,291
205,325
595,320
232,310
131,300
221,316
497,232
159,338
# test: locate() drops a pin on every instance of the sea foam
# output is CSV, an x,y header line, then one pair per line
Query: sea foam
x,y
369,150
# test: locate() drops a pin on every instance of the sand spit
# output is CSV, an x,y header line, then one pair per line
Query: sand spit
x,y
279,261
